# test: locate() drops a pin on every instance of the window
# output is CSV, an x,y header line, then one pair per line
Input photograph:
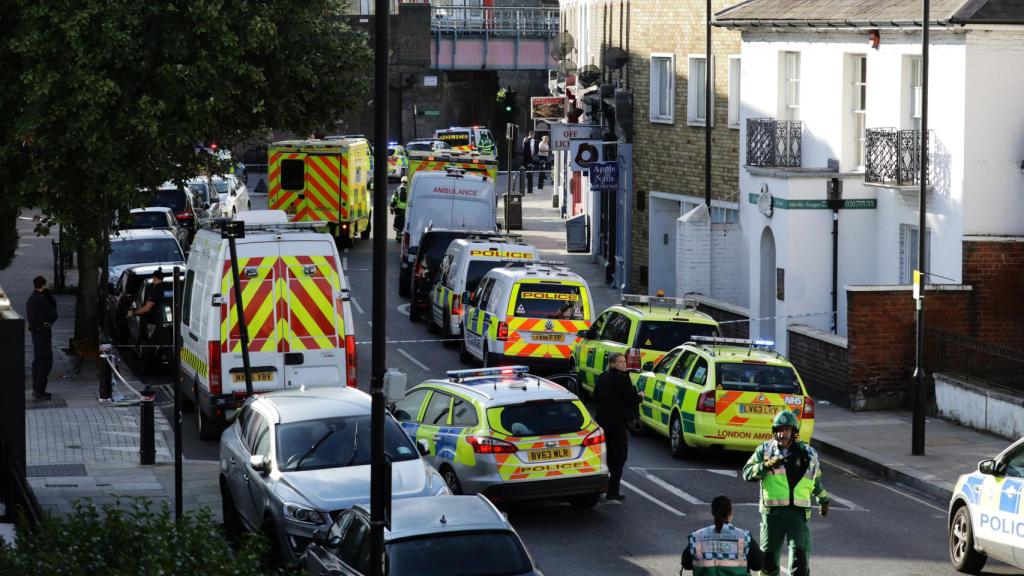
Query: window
x,y
696,85
463,413
912,95
337,531
498,552
540,417
437,410
757,378
293,174
1014,460
858,106
909,238
259,437
352,543
595,329
186,310
789,86
666,362
700,372
617,329
683,365
720,214
663,88
550,301
408,408
734,91
666,335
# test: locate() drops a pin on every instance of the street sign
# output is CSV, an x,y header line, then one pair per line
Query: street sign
x,y
431,112
430,81
563,134
585,153
552,107
604,177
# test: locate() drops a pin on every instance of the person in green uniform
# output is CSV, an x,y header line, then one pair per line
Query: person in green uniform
x,y
399,202
722,549
790,476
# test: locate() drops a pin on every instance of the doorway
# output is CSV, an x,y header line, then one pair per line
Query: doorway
x,y
661,244
766,311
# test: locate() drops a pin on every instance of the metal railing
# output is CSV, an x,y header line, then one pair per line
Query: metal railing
x,y
774,143
892,156
950,352
494,21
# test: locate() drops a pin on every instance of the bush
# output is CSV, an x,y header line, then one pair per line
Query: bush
x,y
136,541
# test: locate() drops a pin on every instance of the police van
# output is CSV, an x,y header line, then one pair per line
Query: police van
x,y
453,200
295,300
527,315
464,265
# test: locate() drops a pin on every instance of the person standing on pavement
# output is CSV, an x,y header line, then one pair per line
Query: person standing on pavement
x,y
790,476
543,156
42,313
617,403
722,549
529,152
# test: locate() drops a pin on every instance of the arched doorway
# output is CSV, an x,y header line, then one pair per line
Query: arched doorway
x,y
767,310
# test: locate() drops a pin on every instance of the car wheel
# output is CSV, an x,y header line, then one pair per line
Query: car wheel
x,y
365,234
585,501
961,544
414,316
187,404
446,333
269,531
432,328
575,373
675,436
464,356
451,479
403,284
232,521
207,431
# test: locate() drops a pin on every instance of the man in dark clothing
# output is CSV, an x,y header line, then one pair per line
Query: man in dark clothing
x,y
154,300
42,313
529,153
617,403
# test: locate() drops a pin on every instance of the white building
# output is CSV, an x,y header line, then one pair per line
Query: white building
x,y
819,82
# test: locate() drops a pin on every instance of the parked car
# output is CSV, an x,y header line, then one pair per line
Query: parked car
x,y
293,460
157,217
122,296
232,196
426,269
130,248
426,145
181,202
453,536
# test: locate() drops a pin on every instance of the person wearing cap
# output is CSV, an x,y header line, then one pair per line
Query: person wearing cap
x,y
790,476
154,298
399,202
721,549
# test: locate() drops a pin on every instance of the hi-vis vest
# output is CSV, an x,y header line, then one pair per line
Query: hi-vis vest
x,y
775,485
720,553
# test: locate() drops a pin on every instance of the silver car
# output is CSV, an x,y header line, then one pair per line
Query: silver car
x,y
292,460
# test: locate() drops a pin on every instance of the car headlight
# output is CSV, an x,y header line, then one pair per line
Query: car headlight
x,y
302,514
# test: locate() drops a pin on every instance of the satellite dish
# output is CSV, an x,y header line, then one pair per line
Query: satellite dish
x,y
564,44
615,58
588,76
566,68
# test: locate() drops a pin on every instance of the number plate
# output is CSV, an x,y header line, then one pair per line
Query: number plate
x,y
549,337
256,377
550,454
768,409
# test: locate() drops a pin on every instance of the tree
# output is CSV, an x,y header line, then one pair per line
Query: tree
x,y
111,97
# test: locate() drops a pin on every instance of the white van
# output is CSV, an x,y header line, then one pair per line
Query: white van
x,y
296,307
463,266
453,200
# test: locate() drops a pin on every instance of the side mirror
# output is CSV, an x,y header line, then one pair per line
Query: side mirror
x,y
320,536
991,467
648,366
423,447
260,463
467,298
585,334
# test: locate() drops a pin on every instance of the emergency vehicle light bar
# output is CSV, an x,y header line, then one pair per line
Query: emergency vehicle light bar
x,y
688,303
507,371
763,344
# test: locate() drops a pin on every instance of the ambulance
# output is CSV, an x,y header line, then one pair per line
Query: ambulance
x,y
441,160
323,181
525,315
465,138
296,307
465,263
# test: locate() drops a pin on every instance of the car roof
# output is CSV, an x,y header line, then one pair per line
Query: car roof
x,y
646,312
445,175
140,234
488,240
298,404
427,515
539,270
147,270
499,391
735,353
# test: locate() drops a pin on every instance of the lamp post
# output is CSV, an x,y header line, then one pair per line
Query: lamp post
x,y
917,422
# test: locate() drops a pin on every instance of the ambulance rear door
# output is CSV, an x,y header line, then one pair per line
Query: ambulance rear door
x,y
751,392
287,180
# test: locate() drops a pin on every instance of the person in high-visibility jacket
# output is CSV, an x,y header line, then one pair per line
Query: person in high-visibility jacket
x,y
722,549
790,476
399,202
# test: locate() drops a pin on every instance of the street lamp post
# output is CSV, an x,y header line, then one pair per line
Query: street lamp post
x,y
917,421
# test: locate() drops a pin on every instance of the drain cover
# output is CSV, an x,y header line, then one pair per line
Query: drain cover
x,y
55,470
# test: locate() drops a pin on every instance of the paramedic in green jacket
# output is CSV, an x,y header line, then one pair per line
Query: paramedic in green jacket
x,y
790,476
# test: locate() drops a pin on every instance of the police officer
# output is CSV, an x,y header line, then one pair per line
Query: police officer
x,y
790,475
617,403
399,202
42,313
722,549
154,299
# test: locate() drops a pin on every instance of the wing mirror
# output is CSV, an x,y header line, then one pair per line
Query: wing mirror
x,y
423,447
260,463
467,298
992,467
585,334
320,536
648,366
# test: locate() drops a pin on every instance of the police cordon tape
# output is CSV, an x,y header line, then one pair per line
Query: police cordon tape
x,y
109,354
777,317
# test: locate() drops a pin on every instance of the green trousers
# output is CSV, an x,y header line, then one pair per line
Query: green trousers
x,y
786,524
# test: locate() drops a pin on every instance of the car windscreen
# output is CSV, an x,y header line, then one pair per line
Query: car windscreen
x,y
221,186
476,271
391,151
170,198
756,377
551,301
336,443
494,553
419,147
435,244
139,220
666,335
540,417
201,191
144,251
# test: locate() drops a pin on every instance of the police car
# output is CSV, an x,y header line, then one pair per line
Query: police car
x,y
398,161
525,315
986,517
508,435
721,392
643,328
464,264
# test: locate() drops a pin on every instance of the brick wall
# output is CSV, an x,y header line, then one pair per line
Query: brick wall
x,y
823,363
995,268
693,252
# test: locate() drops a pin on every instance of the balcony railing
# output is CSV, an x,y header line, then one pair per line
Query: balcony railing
x,y
892,156
774,143
494,21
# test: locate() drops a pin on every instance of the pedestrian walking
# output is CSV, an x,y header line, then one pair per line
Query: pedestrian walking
x,y
722,549
529,153
543,159
790,476
617,403
42,313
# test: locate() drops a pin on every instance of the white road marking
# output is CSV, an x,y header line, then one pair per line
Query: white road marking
x,y
355,303
652,499
668,487
403,309
344,262
901,493
413,360
729,473
346,250
370,322
845,502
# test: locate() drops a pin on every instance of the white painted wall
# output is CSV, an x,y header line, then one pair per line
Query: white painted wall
x,y
693,252
979,407
729,263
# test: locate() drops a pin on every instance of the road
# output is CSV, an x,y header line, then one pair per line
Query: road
x,y
874,527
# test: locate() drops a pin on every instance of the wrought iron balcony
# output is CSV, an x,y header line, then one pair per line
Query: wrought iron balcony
x,y
537,21
892,156
774,143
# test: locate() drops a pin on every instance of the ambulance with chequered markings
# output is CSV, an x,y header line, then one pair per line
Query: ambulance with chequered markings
x,y
721,392
296,307
509,435
528,315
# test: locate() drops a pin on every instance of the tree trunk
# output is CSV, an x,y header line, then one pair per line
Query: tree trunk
x,y
87,309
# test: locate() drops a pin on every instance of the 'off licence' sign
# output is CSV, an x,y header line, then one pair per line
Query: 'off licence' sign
x,y
562,134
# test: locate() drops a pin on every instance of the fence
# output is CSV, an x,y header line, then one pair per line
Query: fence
x,y
495,21
950,352
892,156
774,143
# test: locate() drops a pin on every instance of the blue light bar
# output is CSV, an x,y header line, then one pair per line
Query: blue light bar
x,y
500,371
767,344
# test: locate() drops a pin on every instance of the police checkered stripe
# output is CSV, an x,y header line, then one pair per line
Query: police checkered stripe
x,y
277,198
511,467
313,310
516,345
259,309
194,361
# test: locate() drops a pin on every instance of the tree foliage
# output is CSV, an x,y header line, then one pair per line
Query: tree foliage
x,y
104,98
